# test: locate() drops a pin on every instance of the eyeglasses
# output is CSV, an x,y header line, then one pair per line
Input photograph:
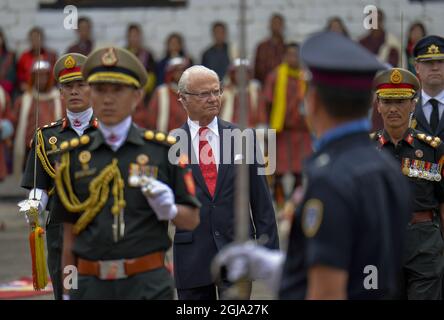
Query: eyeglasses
x,y
206,94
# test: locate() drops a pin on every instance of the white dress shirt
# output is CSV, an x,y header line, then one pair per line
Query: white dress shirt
x,y
212,137
427,106
80,120
119,132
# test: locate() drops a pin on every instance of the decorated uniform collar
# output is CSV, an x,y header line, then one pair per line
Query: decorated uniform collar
x,y
384,138
80,119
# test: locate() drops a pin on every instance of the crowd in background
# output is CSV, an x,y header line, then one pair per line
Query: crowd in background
x,y
275,90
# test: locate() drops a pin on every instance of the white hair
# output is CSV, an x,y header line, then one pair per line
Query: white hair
x,y
197,69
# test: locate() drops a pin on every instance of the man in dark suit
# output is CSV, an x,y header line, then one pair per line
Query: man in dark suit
x,y
200,94
429,65
346,237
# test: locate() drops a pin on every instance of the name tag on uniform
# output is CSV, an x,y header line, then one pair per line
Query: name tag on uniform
x,y
84,173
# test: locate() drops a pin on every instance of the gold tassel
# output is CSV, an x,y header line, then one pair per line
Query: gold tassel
x,y
36,242
99,192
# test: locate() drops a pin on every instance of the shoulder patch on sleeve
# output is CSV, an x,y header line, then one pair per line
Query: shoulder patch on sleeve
x,y
312,215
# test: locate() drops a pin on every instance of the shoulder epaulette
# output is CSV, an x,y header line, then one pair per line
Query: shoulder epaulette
x,y
159,137
42,153
52,124
69,145
41,129
432,141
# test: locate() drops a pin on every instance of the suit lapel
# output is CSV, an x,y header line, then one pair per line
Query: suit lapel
x,y
223,168
420,117
197,174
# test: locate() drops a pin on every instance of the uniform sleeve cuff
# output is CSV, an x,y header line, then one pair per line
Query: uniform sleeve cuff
x,y
173,212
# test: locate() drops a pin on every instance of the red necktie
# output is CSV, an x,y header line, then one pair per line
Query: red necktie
x,y
207,163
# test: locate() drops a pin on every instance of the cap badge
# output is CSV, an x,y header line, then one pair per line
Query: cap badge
x,y
396,77
109,58
70,62
433,49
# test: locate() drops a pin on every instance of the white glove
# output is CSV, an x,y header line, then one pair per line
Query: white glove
x,y
253,261
30,210
38,199
160,197
41,196
65,297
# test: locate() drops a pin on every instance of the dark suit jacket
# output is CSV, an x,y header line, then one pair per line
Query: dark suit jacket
x,y
423,125
194,250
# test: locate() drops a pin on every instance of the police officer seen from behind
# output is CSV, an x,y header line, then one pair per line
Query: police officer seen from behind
x,y
350,223
421,157
117,190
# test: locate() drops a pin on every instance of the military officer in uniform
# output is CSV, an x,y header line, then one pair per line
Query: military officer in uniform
x,y
74,92
421,157
346,235
117,189
429,65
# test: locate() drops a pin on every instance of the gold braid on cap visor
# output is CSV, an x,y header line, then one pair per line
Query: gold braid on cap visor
x,y
398,93
114,77
431,55
71,77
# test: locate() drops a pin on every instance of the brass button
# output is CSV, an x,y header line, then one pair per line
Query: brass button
x,y
149,135
84,139
74,142
171,140
64,145
160,136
